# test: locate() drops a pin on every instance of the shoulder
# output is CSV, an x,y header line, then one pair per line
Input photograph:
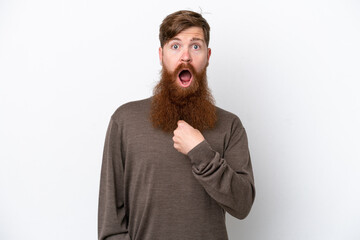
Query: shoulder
x,y
229,119
131,109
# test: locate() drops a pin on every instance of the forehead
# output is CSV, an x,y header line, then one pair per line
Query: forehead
x,y
190,33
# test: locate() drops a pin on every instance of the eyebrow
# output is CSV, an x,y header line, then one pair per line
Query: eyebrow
x,y
197,39
192,40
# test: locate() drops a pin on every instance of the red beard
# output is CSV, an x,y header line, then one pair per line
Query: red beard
x,y
193,104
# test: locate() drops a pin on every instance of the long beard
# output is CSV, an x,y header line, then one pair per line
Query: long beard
x,y
172,103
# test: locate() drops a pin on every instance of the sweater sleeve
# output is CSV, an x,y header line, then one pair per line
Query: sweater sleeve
x,y
228,180
112,219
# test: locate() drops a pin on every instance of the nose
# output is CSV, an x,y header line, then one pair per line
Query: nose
x,y
186,57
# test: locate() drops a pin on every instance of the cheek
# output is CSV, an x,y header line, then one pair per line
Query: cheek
x,y
169,63
201,64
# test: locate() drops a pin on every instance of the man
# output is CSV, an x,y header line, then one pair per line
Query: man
x,y
174,163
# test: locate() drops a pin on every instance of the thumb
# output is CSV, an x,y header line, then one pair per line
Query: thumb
x,y
182,122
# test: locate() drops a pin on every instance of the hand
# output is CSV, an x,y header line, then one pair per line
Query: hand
x,y
186,137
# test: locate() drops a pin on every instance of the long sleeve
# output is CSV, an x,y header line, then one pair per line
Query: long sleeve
x,y
112,219
229,179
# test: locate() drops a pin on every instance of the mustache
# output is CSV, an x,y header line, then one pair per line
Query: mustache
x,y
183,66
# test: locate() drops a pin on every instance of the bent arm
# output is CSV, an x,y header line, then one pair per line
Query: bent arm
x,y
228,180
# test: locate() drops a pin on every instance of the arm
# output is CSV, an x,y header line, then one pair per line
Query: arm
x,y
228,180
112,219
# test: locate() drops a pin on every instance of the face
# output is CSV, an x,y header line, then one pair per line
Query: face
x,y
188,47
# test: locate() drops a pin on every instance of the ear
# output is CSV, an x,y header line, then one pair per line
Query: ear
x,y
160,55
209,54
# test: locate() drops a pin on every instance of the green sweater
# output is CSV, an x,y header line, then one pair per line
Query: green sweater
x,y
150,191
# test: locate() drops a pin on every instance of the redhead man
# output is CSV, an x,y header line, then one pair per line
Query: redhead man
x,y
174,163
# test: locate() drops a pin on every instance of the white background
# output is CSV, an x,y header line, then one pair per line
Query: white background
x,y
288,69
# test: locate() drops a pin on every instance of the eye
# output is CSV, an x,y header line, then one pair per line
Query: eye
x,y
196,47
175,46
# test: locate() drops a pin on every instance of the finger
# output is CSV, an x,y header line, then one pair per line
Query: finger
x,y
176,146
181,123
175,139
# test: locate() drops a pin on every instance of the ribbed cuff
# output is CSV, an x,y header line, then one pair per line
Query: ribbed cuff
x,y
201,153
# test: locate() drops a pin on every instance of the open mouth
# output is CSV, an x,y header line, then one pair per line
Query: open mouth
x,y
185,78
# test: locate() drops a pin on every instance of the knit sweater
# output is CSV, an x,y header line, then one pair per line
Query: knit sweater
x,y
150,191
